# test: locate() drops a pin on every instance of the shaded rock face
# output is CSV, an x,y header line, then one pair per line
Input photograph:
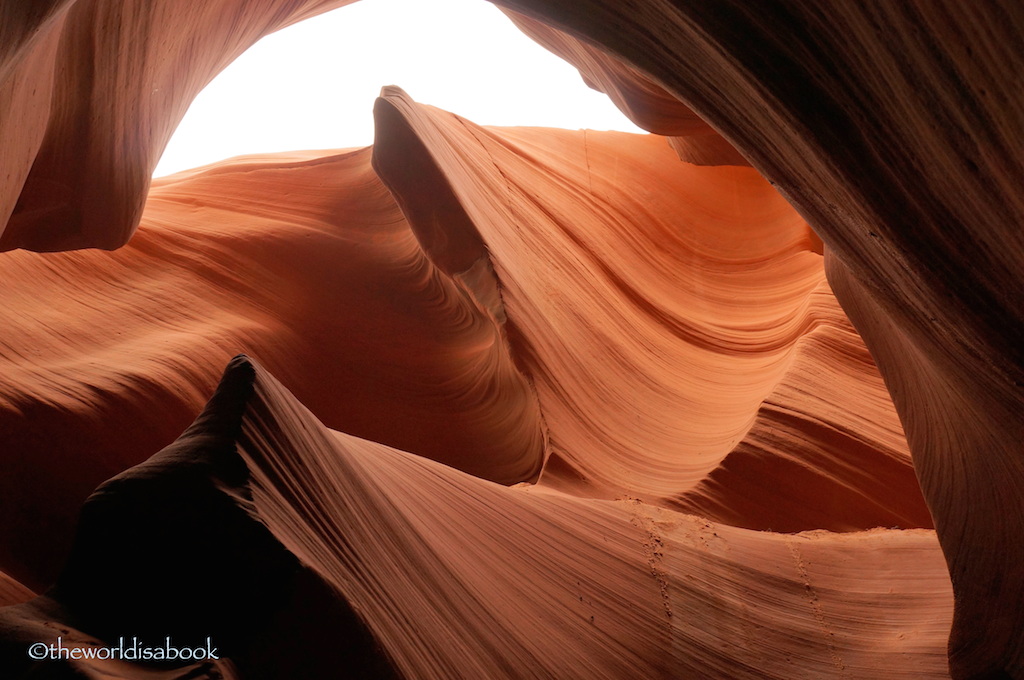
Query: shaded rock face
x,y
679,361
95,90
170,549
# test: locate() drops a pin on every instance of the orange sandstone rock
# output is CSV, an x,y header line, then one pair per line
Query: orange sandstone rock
x,y
583,306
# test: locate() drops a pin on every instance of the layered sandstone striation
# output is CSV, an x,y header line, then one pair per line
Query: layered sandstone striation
x,y
306,260
673,319
716,380
540,583
894,130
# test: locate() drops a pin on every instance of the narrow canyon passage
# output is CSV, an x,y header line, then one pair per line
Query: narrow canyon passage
x,y
741,397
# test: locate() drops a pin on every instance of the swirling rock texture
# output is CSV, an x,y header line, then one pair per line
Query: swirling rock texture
x,y
579,404
894,129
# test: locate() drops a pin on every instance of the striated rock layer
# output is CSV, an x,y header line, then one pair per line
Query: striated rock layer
x,y
516,309
673,319
894,130
399,331
538,584
585,311
306,260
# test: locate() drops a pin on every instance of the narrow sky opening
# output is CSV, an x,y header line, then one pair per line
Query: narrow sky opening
x,y
312,85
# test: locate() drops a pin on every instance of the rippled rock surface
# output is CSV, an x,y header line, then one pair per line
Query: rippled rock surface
x,y
739,398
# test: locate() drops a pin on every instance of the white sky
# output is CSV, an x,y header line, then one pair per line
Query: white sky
x,y
312,85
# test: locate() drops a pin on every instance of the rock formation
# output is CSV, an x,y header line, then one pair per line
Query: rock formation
x,y
579,404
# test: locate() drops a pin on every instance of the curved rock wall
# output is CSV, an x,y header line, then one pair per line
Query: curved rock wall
x,y
584,307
